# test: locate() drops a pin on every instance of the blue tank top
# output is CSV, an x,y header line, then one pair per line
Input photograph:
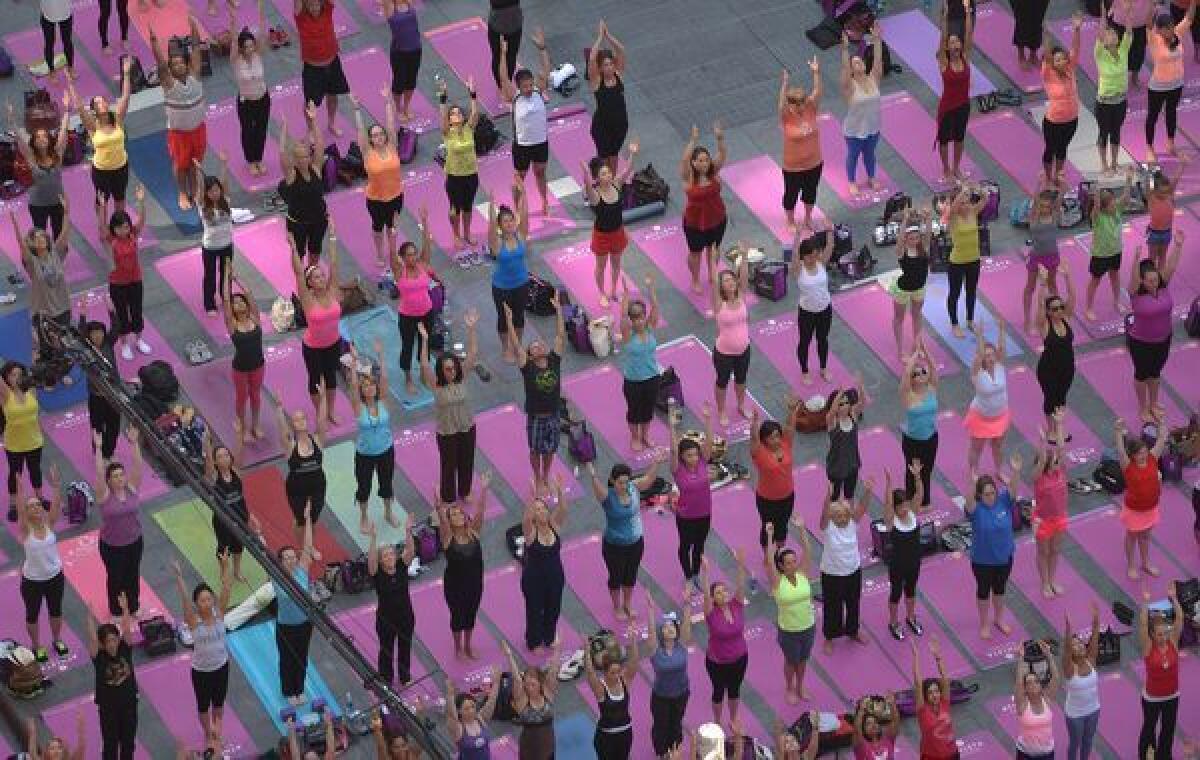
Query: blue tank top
x,y
638,360
920,421
374,431
510,270
475,747
670,671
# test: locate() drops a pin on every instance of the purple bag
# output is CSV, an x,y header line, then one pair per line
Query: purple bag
x,y
576,322
426,539
991,210
79,501
770,281
581,445
406,144
437,295
329,168
1170,465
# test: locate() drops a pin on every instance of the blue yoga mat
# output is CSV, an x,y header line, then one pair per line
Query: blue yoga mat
x,y
255,650
149,155
363,328
573,737
913,37
937,318
16,343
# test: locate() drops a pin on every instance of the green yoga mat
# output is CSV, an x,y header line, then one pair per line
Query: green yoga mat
x,y
339,498
189,526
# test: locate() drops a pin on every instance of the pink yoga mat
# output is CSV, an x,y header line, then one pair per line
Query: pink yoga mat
x,y
1061,29
364,70
96,307
574,267
1110,374
210,388
913,37
184,272
433,626
1016,146
587,575
571,140
425,186
758,182
875,621
348,208
698,711
264,245
834,150
87,19
868,669
1133,139
949,587
504,605
994,32
1025,399
25,49
496,178
776,339
693,363
735,520
1002,284
913,133
224,136
77,268
160,684
952,452
1182,370
168,19
1102,533
1077,599
71,432
12,626
811,487
373,10
1109,322
464,45
1174,533
499,432
77,183
663,243
1004,710
286,381
1189,690
1121,697
247,16
868,311
85,571
764,674
417,456
60,720
597,394
662,563
287,102
880,450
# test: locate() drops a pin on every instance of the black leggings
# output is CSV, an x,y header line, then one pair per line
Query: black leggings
x,y
1158,99
309,236
127,306
1166,711
253,116
622,562
844,485
395,647
456,453
516,298
641,396
367,466
122,19
726,677
801,184
68,44
510,61
666,731
118,731
924,452
956,274
841,600
1055,382
214,259
613,746
123,569
322,364
902,578
777,512
814,323
991,580
33,592
693,533
54,216
16,465
1057,136
305,489
210,688
292,642
410,338
1110,117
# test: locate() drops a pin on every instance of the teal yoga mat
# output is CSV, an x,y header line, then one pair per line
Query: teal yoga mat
x,y
573,736
256,654
363,329
339,497
149,155
16,343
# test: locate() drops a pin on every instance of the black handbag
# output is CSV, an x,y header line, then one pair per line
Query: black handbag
x,y
669,387
1109,648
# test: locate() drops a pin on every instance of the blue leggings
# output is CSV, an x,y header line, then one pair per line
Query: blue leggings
x,y
861,146
1081,731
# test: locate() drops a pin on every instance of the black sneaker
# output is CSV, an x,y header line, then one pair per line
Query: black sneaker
x,y
60,649
896,631
915,626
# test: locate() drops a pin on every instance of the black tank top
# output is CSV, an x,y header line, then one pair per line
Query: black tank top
x,y
1059,350
306,465
614,711
610,104
544,560
464,560
608,215
305,196
231,492
906,544
914,271
391,594
247,349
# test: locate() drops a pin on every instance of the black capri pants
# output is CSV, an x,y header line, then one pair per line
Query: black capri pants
x,y
726,677
16,465
810,324
123,575
410,337
309,236
292,642
1055,382
253,116
111,183
227,540
777,512
698,239
1057,136
640,398
516,298
127,307
383,213
106,421
737,365
456,464
925,452
1148,361
322,364
210,688
952,127
991,580
622,562
305,489
801,184
381,466
33,592
461,191
693,534
405,65
52,216
902,577
1157,100
1110,117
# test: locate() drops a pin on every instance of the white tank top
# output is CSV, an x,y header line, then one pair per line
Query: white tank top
x,y
529,119
209,652
813,290
1083,695
840,556
42,561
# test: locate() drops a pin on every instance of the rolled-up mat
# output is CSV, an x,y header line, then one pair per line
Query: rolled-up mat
x,y
948,585
85,571
160,682
993,35
1016,146
776,338
210,387
1025,399
500,432
758,182
146,153
12,626
16,343
664,244
874,610
1102,536
834,150
419,461
868,311
693,364
1110,373
379,324
224,136
1077,599
911,36
287,381
189,526
464,45
77,266
574,268
938,321
496,177
71,432
596,392
257,654
880,449
339,498
913,132
60,721
267,500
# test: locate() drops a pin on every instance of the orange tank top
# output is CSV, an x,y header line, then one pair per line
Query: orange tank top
x,y
385,181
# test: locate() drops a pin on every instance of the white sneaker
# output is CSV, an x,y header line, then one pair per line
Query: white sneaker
x,y
143,346
126,352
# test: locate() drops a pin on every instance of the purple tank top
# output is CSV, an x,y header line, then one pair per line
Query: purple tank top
x,y
695,494
1152,316
726,640
475,747
405,34
120,522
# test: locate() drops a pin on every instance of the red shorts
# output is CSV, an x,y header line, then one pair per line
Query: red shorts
x,y
186,146
1049,527
604,243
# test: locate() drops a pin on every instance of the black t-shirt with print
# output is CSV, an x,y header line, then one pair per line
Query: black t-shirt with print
x,y
116,684
543,385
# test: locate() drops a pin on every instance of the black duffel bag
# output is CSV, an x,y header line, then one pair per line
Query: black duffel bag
x,y
158,380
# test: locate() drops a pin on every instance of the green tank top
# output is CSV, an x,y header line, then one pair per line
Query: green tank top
x,y
964,237
795,604
460,152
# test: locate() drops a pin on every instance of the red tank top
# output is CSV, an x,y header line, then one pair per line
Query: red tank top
x,y
1162,671
126,267
1143,487
956,89
704,209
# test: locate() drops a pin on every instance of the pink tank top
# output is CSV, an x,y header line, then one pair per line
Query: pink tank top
x,y
322,331
1036,735
1050,495
414,295
733,331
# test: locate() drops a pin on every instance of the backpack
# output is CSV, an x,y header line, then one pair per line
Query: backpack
x,y
79,501
299,321
73,153
895,205
1110,477
858,266
6,64
137,74
437,294
541,295
991,210
158,380
406,144
770,281
24,676
957,537
600,336
329,168
503,709
649,186
354,576
669,387
352,166
906,702
486,135
425,538
158,638
1191,322
1018,213
1109,651
581,444
578,336
41,111
1072,210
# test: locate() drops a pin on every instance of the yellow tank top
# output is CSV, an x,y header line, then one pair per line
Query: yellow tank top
x,y
109,147
795,604
964,237
460,152
21,429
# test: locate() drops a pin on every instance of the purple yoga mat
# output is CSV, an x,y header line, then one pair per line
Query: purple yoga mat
x,y
1189,690
1025,399
1109,322
499,432
1133,140
571,140
994,32
1004,710
1181,372
364,70
758,182
183,272
25,48
373,10
1102,533
662,564
587,575
12,626
348,208
952,451
776,339
980,745
1175,532
425,186
834,150
1076,601
1121,698
574,267
880,450
87,19
264,245
417,455
1061,29
496,177
913,132
246,15
96,307
85,572
735,520
913,37
287,102
692,360
210,388
433,626
224,136
868,669
875,621
77,268
868,311
77,183
344,24
504,605
949,587
597,394
1002,284
285,379
699,711
663,243
464,45
764,674
1016,146
811,487
72,434
160,684
1110,374
60,720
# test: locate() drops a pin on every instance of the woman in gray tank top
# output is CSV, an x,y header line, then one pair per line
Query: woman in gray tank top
x,y
860,127
204,614
1044,217
44,154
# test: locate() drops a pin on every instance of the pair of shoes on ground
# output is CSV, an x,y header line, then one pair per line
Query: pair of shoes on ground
x,y
142,346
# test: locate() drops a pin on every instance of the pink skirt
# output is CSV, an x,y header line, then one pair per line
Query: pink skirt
x,y
986,428
1136,521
